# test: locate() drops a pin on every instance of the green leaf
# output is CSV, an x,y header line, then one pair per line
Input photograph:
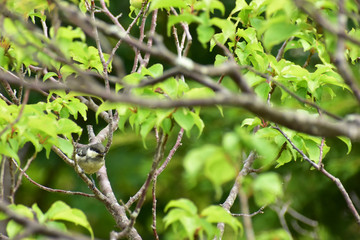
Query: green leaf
x,y
185,17
195,159
3,216
9,151
22,210
209,161
133,78
107,105
219,59
261,142
198,122
154,71
48,75
267,188
262,90
174,215
69,33
191,224
205,33
347,141
278,32
40,216
183,212
280,6
67,127
312,149
196,93
155,4
184,119
184,204
251,122
65,146
280,234
218,169
285,157
239,5
13,229
76,106
209,6
61,211
56,207
43,123
162,115
146,127
322,52
170,87
216,214
231,144
227,27
166,125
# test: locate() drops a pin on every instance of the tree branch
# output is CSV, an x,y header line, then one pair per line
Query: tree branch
x,y
235,189
290,119
321,169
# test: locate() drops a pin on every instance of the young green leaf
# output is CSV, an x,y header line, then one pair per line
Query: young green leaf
x,y
184,204
267,188
216,214
61,211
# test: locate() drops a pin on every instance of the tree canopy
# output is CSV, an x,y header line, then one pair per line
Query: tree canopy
x,y
220,119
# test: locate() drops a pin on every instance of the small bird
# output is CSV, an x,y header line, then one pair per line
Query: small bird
x,y
91,157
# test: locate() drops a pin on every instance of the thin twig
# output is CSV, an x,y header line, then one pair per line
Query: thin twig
x,y
244,207
281,211
153,226
12,179
321,147
302,218
328,175
150,40
235,188
281,51
260,211
19,178
157,158
47,188
2,177
171,153
138,57
158,172
10,92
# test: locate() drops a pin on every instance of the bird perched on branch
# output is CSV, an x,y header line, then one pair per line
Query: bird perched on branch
x,y
90,157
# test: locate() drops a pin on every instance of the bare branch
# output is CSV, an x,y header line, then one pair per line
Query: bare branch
x,y
260,211
291,119
302,218
281,211
47,188
235,189
157,158
328,175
